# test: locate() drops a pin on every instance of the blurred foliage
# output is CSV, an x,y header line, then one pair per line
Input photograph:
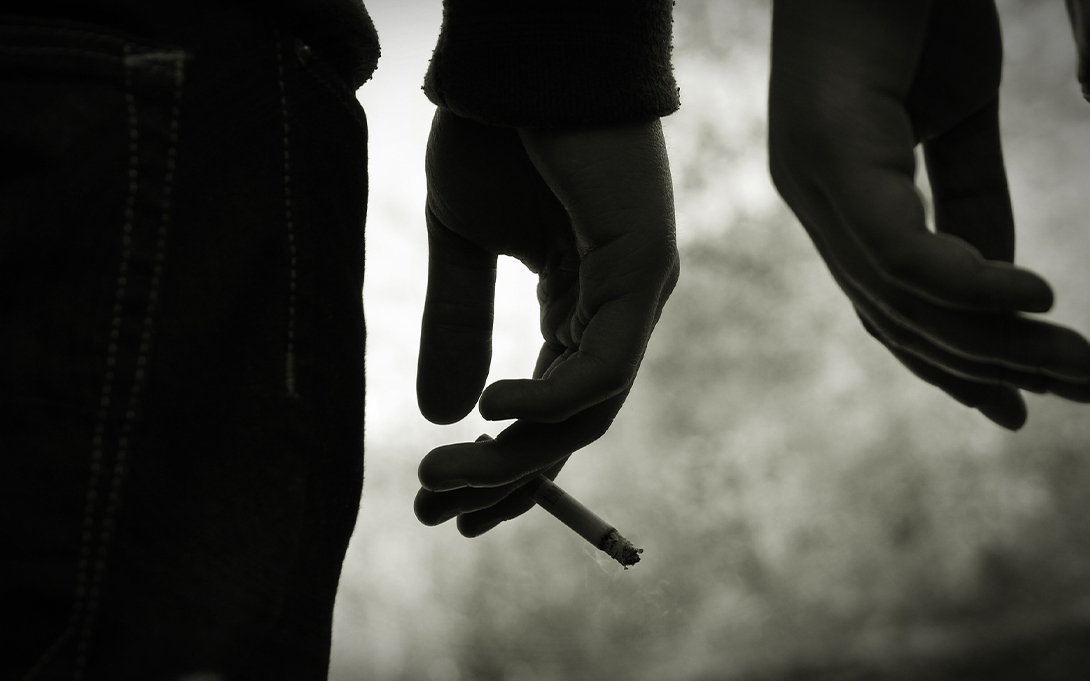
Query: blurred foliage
x,y
809,509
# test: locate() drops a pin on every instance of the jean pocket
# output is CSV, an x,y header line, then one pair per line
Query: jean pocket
x,y
88,132
87,126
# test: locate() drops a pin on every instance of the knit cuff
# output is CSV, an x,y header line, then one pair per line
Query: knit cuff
x,y
554,63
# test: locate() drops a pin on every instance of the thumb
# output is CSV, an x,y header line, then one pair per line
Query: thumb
x,y
456,332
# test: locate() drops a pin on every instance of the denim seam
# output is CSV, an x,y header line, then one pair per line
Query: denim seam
x,y
55,30
71,51
106,531
86,598
289,357
91,501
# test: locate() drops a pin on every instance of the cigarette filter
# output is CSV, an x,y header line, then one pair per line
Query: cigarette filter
x,y
586,524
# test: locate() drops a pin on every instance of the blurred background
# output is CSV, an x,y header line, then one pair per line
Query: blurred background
x,y
809,510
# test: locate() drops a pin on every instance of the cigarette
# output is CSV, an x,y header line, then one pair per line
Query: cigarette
x,y
586,524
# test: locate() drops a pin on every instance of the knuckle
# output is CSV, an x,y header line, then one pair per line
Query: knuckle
x,y
616,379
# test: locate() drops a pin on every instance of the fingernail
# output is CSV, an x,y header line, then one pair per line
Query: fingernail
x,y
485,437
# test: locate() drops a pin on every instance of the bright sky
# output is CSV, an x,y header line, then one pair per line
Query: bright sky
x,y
399,117
386,575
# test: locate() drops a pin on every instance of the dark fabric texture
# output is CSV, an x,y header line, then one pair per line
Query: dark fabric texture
x,y
183,189
340,31
181,350
553,63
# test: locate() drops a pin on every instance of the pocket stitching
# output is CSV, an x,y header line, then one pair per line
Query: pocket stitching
x,y
58,31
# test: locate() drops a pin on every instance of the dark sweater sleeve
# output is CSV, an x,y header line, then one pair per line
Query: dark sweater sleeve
x,y
552,63
342,30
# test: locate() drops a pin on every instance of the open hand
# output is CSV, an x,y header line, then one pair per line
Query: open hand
x,y
855,86
591,212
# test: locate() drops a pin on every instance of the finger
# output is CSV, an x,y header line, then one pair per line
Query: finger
x,y
1004,345
476,523
1001,404
969,184
1076,391
991,348
522,450
549,356
1003,340
613,324
592,374
456,332
885,218
435,508
615,183
904,339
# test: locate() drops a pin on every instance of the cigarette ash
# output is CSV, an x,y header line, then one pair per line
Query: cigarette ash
x,y
619,548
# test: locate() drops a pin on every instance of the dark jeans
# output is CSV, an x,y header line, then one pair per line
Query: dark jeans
x,y
181,351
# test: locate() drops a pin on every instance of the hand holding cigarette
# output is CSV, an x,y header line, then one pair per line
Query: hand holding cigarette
x,y
561,505
590,211
603,536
